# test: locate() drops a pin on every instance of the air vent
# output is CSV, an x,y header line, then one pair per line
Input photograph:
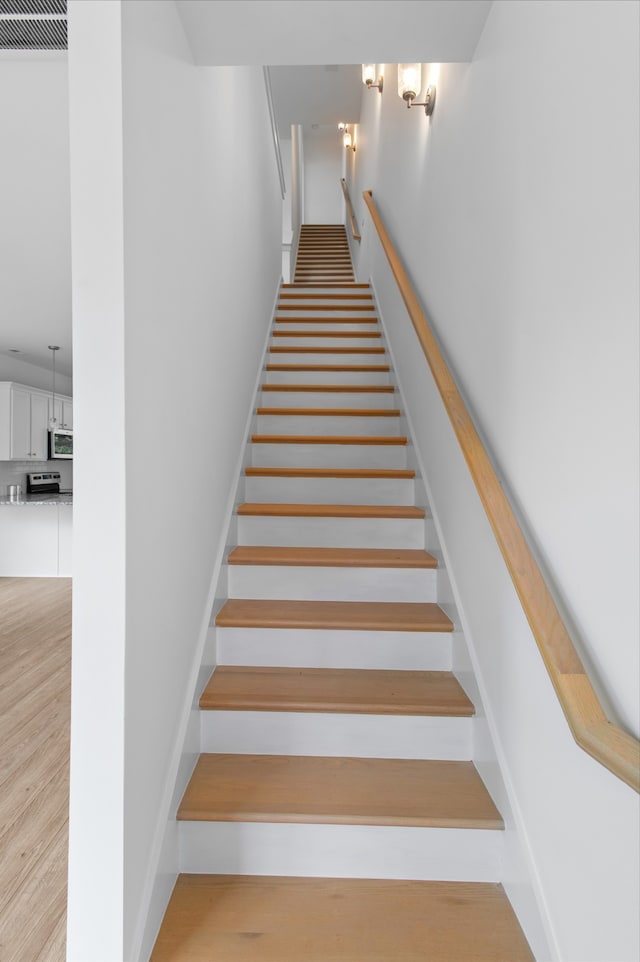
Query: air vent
x,y
33,24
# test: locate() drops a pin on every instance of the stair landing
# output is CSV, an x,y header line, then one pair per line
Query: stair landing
x,y
222,918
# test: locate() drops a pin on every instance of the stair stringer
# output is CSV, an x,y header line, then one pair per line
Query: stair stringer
x,y
163,867
520,878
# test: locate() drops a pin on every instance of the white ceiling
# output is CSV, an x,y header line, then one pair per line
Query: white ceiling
x,y
316,95
281,32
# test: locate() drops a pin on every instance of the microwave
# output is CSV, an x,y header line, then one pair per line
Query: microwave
x,y
60,445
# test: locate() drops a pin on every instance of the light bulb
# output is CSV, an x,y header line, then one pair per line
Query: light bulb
x,y
368,73
409,80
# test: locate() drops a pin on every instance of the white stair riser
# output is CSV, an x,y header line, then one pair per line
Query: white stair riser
x,y
310,340
326,377
324,307
320,648
337,735
362,296
329,456
330,424
309,325
332,532
341,851
327,399
341,356
332,584
330,490
329,289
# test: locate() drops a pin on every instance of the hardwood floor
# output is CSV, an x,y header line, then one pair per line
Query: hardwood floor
x,y
35,692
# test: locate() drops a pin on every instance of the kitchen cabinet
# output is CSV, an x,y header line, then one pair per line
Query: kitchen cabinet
x,y
24,421
62,410
29,422
35,540
29,541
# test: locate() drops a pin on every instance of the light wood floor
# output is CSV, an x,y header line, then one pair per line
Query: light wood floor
x,y
35,690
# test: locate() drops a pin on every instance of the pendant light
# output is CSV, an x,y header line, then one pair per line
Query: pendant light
x,y
53,421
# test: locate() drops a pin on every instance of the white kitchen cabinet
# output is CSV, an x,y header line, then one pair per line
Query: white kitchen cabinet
x,y
28,424
29,541
67,413
65,539
24,421
35,540
62,410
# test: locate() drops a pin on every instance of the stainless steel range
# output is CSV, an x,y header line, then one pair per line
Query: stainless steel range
x,y
43,482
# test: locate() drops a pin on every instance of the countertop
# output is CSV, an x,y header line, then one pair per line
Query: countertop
x,y
37,499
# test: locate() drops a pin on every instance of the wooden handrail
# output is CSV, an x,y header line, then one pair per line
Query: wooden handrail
x,y
352,217
614,748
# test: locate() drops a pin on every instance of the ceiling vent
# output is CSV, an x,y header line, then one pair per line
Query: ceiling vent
x,y
33,24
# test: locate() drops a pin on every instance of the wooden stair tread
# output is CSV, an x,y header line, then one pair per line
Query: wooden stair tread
x,y
222,918
349,284
332,557
333,615
397,473
333,412
342,690
372,439
332,388
276,510
338,791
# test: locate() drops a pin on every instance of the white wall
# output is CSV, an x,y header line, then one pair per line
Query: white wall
x,y
198,201
33,375
35,242
322,172
516,216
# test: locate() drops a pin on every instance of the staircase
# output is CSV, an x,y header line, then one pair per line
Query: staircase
x,y
323,255
335,814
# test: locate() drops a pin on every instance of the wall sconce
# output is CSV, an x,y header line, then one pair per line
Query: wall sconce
x,y
347,140
369,75
341,127
409,85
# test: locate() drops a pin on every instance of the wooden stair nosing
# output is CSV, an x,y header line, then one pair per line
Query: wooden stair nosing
x,y
380,440
350,285
334,615
336,690
395,473
277,556
338,791
301,510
